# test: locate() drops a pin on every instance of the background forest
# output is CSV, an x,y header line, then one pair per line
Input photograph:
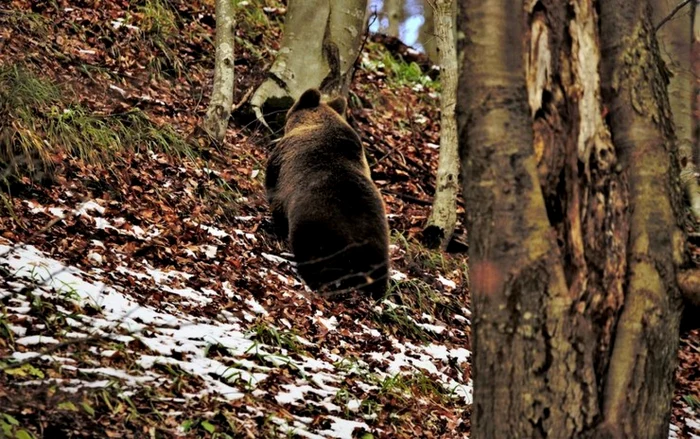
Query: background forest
x,y
143,293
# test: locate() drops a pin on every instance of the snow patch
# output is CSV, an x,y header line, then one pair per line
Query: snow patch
x,y
342,428
36,339
398,276
446,282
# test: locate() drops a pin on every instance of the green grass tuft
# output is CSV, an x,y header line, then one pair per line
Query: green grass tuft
x,y
398,71
271,336
158,19
26,22
417,385
424,259
40,122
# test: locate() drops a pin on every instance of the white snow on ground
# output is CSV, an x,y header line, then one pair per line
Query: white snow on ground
x,y
86,209
35,339
342,428
176,337
673,432
692,426
446,282
692,422
397,275
213,231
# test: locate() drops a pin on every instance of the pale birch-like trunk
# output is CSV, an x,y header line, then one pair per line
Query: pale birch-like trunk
x,y
426,33
219,111
675,44
443,218
393,11
321,42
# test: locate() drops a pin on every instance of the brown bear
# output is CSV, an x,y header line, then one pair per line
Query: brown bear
x,y
324,202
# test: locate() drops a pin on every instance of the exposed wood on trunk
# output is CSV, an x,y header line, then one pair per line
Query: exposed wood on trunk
x,y
443,217
219,111
639,383
533,361
611,260
593,167
585,194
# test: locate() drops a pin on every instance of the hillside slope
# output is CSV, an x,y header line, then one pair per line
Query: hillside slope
x,y
142,291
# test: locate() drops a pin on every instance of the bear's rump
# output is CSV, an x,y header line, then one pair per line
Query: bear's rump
x,y
330,256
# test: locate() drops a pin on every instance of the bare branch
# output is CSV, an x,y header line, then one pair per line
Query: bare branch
x,y
243,100
668,18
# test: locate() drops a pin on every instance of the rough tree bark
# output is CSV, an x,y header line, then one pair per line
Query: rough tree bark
x,y
219,111
320,44
574,237
533,376
640,378
695,57
674,38
443,217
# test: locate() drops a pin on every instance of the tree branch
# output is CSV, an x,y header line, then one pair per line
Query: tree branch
x,y
673,13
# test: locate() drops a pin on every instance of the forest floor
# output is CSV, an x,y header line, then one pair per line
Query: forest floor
x,y
142,291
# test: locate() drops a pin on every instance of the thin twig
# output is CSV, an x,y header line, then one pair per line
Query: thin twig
x,y
243,100
668,18
408,197
370,22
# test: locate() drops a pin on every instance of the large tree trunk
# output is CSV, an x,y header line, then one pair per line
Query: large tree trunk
x,y
695,59
576,305
674,38
640,378
320,45
531,379
443,218
216,119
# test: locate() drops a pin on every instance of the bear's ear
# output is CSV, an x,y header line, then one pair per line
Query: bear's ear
x,y
309,99
339,104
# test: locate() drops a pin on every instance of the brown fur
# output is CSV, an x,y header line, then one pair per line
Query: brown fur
x,y
324,201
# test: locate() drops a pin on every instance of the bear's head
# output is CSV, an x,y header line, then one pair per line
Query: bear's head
x,y
309,110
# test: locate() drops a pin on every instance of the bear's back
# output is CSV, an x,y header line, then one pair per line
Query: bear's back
x,y
320,190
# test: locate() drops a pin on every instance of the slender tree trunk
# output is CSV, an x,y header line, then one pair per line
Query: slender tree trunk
x,y
426,33
216,119
675,44
320,45
393,11
441,224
